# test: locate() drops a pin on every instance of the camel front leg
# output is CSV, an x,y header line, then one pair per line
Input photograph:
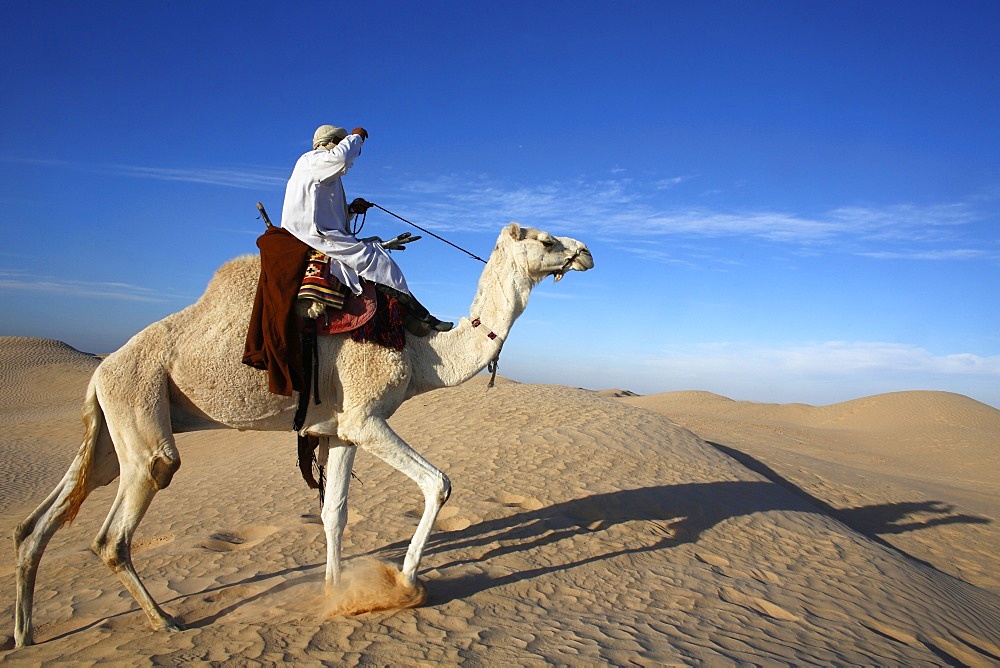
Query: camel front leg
x,y
340,460
381,440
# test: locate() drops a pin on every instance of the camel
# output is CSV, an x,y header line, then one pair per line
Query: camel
x,y
184,373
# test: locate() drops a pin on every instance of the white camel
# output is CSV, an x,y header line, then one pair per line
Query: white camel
x,y
184,373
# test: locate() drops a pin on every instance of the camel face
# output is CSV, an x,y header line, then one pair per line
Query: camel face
x,y
546,255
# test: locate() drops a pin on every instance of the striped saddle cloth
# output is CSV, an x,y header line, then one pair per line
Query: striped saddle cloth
x,y
319,286
341,310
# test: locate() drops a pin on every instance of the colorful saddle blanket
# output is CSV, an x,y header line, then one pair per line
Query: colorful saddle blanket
x,y
319,286
341,311
355,312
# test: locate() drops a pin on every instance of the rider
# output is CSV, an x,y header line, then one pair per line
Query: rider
x,y
316,212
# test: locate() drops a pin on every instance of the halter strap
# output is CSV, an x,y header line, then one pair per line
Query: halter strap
x,y
495,362
492,335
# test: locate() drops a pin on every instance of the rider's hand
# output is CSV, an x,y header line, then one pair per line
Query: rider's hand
x,y
359,206
361,132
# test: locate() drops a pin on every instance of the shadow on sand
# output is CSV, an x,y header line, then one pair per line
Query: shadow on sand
x,y
671,515
668,516
872,521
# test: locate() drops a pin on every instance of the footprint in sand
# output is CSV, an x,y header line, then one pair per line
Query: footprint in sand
x,y
716,560
756,604
316,518
518,501
146,543
239,539
450,520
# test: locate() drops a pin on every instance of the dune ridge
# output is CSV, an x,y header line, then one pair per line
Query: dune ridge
x,y
581,530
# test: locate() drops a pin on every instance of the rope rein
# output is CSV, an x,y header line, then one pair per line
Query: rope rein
x,y
426,231
494,364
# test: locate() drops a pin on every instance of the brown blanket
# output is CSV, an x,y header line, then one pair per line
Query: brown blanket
x,y
274,336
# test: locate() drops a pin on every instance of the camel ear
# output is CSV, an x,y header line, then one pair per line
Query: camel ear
x,y
515,231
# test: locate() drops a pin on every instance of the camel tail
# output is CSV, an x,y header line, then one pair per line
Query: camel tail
x,y
63,503
93,420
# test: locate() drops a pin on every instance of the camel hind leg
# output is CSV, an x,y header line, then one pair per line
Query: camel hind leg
x,y
95,465
148,459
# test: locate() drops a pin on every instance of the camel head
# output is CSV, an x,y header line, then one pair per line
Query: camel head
x,y
539,254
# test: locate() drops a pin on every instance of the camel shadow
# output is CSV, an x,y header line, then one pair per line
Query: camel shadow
x,y
667,516
661,518
299,575
873,521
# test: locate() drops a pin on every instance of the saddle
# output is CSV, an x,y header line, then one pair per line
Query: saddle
x,y
334,309
275,332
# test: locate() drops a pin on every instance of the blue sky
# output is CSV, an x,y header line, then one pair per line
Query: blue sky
x,y
786,201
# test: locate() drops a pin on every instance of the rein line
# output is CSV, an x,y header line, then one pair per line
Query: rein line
x,y
426,231
493,336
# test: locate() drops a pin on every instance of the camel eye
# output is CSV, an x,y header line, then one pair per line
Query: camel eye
x,y
548,242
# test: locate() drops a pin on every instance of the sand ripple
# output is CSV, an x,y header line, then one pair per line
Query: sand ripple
x,y
581,530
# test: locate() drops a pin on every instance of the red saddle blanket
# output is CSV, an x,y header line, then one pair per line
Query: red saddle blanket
x,y
367,317
355,312
344,311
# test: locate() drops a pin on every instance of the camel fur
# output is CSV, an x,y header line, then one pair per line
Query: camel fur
x,y
171,378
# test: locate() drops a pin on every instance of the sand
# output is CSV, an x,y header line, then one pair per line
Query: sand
x,y
584,528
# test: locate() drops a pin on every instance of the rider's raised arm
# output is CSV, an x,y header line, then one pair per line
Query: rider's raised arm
x,y
330,164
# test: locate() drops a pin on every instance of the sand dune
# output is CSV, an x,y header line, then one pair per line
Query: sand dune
x,y
582,530
918,470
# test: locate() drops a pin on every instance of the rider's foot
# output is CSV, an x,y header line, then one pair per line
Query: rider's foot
x,y
438,325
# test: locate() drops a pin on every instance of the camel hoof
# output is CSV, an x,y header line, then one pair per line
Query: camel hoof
x,y
169,624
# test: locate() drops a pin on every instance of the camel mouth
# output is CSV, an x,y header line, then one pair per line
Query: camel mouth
x,y
582,260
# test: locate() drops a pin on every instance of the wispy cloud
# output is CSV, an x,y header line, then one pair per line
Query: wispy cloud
x,y
904,221
231,177
829,359
623,209
626,210
672,182
251,178
944,254
23,282
766,225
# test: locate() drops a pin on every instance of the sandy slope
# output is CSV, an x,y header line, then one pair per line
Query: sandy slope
x,y
581,530
919,470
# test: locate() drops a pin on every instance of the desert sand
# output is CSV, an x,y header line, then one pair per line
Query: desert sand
x,y
585,528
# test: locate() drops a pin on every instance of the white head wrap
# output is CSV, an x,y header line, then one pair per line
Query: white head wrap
x,y
328,133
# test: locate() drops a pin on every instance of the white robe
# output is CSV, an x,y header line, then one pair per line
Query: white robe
x,y
315,211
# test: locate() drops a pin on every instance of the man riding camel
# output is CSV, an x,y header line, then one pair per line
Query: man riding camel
x,y
316,212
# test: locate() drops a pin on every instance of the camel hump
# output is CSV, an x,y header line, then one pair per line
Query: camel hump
x,y
238,274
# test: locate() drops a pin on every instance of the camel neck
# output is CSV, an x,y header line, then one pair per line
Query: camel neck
x,y
466,350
